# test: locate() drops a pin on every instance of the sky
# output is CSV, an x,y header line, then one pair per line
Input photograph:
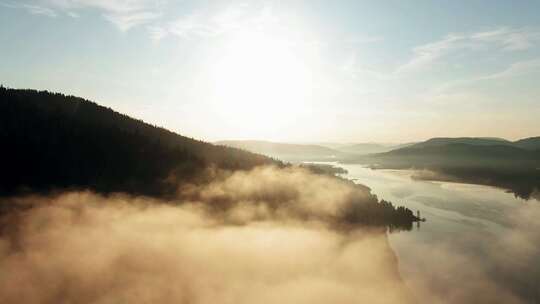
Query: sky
x,y
295,71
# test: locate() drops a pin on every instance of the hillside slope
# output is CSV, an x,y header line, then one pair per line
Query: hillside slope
x,y
478,161
531,143
475,141
55,141
465,155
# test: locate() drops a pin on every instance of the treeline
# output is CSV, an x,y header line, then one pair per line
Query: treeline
x,y
323,169
51,141
382,213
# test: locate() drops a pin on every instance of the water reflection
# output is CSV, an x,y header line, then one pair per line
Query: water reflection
x,y
406,226
479,245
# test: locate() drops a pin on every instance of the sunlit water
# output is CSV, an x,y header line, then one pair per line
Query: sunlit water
x,y
478,245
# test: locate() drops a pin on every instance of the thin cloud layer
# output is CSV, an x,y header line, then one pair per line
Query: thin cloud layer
x,y
500,39
124,14
268,193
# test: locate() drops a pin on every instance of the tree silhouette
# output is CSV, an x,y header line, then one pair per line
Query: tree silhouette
x,y
55,142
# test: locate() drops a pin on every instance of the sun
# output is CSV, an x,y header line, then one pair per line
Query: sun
x,y
261,79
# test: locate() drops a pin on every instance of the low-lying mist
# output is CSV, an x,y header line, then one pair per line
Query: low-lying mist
x,y
264,236
269,193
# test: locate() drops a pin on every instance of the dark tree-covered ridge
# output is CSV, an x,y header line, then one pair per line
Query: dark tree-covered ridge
x,y
51,140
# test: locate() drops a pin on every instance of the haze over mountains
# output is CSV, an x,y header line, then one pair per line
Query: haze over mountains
x,y
513,165
462,152
348,152
467,152
284,151
295,152
531,143
369,148
510,165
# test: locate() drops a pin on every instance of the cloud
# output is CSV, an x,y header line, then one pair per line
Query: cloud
x,y
504,38
509,39
263,236
126,21
427,54
201,24
212,21
289,193
125,14
31,8
515,69
38,10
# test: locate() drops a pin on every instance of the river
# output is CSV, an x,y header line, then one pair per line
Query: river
x,y
479,244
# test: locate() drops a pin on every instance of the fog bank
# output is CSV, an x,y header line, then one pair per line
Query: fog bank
x,y
265,236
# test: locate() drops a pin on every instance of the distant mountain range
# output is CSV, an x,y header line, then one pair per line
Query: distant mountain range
x,y
283,151
55,141
369,148
463,150
310,152
531,143
514,165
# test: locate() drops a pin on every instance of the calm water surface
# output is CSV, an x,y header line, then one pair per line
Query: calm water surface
x,y
479,244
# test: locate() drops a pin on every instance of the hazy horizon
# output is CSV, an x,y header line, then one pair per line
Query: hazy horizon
x,y
287,71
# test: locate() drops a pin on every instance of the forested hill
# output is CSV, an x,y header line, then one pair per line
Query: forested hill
x,y
53,141
514,166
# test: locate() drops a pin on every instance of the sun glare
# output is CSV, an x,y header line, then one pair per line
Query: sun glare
x,y
260,76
